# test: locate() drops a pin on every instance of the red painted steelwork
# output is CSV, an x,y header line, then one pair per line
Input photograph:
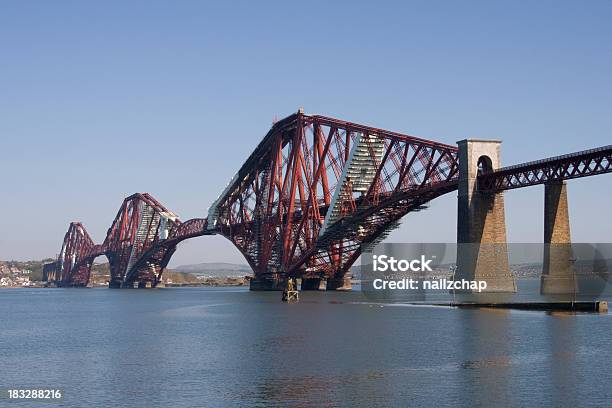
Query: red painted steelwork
x,y
275,207
138,245
570,166
310,195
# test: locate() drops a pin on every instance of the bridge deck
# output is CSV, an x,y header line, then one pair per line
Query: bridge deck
x,y
565,167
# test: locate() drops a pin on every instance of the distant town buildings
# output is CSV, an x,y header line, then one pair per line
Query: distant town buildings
x,y
11,276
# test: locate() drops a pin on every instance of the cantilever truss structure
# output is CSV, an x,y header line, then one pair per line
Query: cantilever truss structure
x,y
316,188
312,193
138,245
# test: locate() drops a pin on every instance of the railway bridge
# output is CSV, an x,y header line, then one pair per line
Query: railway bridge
x,y
316,190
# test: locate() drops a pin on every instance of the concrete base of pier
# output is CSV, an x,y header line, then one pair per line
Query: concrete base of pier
x,y
265,284
135,285
312,284
340,284
114,285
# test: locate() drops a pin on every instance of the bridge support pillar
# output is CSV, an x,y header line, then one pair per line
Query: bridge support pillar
x,y
341,284
312,284
557,274
114,284
269,282
482,252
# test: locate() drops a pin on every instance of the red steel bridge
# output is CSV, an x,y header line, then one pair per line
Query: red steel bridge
x,y
304,202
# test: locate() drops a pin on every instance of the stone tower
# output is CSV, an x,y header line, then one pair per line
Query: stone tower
x,y
482,252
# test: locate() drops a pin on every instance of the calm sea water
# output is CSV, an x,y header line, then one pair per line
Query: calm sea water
x,y
191,347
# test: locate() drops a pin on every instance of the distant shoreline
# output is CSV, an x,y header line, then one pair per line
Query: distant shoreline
x,y
214,282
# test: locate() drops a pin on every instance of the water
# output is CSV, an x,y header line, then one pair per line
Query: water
x,y
186,347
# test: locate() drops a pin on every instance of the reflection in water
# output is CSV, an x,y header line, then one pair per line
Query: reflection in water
x,y
485,343
218,347
561,334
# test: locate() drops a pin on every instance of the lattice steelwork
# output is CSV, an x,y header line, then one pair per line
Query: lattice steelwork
x,y
77,244
566,167
310,195
138,245
310,178
288,206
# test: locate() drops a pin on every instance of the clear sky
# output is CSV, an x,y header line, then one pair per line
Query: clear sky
x,y
99,100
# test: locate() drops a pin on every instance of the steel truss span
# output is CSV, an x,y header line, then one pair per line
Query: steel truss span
x,y
138,245
313,191
288,207
570,166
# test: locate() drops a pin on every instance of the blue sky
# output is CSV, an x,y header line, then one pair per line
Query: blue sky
x,y
102,99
